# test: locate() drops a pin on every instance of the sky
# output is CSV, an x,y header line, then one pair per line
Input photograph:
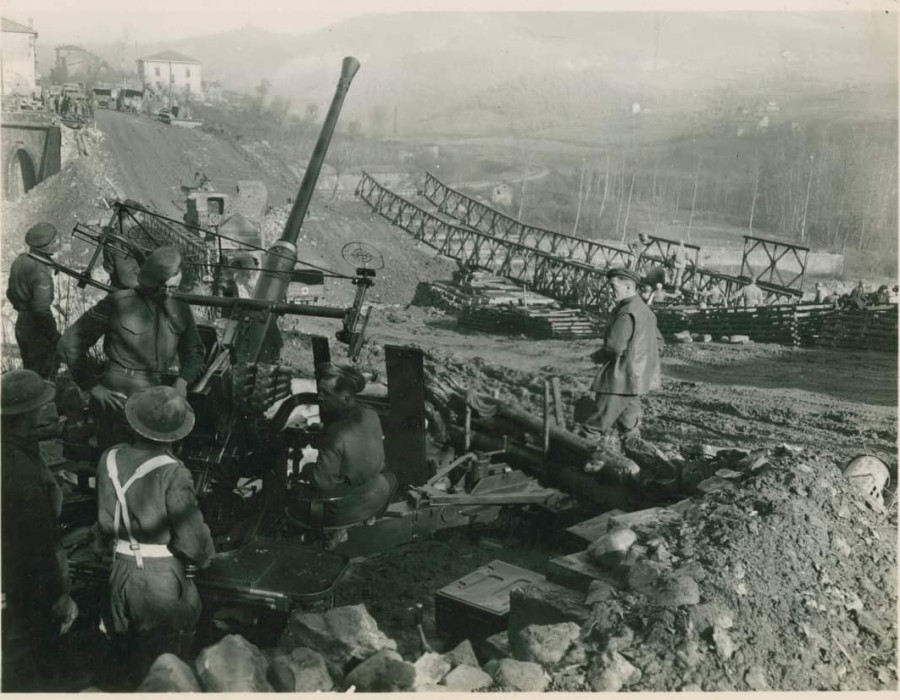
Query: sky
x,y
144,21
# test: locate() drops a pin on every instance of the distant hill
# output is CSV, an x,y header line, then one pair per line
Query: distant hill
x,y
467,73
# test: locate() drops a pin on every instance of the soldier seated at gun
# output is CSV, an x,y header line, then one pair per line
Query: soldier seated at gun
x,y
145,334
347,483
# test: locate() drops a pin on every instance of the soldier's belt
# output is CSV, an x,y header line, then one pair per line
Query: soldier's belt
x,y
148,551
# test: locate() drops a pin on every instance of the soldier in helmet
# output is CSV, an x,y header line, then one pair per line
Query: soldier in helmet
x,y
35,574
146,334
147,504
30,291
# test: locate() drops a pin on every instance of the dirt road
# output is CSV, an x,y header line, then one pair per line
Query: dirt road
x,y
153,160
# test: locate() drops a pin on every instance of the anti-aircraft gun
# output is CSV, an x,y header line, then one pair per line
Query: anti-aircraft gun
x,y
246,454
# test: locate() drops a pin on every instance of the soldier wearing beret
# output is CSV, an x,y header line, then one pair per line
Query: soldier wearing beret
x,y
349,470
145,332
147,505
30,291
629,359
37,605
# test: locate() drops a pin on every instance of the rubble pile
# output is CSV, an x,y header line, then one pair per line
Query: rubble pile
x,y
780,576
340,650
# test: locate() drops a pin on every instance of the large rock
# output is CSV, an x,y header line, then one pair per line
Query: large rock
x,y
303,670
547,645
496,646
518,676
467,679
676,589
430,669
545,603
169,674
342,635
756,678
615,673
464,655
714,483
611,548
234,665
383,672
646,522
709,615
722,641
599,591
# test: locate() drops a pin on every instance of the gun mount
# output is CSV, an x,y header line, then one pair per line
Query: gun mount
x,y
245,452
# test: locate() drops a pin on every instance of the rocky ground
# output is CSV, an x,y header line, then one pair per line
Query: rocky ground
x,y
770,572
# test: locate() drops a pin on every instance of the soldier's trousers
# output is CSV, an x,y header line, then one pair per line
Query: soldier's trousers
x,y
618,410
38,350
152,611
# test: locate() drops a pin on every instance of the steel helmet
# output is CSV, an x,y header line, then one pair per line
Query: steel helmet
x,y
869,476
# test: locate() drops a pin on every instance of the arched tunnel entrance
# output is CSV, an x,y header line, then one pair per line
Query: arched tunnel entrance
x,y
20,174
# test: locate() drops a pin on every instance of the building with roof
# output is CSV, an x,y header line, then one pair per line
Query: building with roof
x,y
18,58
172,73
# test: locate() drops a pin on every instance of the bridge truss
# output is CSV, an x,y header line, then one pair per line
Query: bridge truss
x,y
570,282
484,218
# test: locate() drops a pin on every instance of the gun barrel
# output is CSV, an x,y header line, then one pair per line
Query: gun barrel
x,y
259,337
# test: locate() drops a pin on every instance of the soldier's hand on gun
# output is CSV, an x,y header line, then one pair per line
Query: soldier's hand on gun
x,y
180,386
66,611
108,398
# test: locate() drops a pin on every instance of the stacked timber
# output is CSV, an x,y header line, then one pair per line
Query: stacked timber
x,y
476,289
564,324
861,329
790,324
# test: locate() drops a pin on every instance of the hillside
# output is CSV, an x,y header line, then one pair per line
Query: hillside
x,y
500,72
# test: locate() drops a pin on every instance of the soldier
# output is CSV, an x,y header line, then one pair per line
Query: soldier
x,y
147,504
37,605
30,291
751,295
349,470
629,360
145,332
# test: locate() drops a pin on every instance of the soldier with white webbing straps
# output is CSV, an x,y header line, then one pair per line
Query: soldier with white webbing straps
x,y
147,504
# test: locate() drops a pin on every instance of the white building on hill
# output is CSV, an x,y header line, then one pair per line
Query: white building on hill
x,y
170,71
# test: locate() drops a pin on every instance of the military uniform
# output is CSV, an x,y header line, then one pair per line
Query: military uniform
x,y
147,504
348,483
145,333
30,291
630,366
35,569
350,466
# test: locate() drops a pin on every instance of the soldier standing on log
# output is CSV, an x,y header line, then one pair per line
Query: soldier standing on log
x,y
30,291
629,361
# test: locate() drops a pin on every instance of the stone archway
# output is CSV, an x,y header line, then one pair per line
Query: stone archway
x,y
21,175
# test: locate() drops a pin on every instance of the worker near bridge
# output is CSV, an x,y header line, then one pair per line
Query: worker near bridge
x,y
629,361
146,334
30,292
148,507
37,607
348,482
